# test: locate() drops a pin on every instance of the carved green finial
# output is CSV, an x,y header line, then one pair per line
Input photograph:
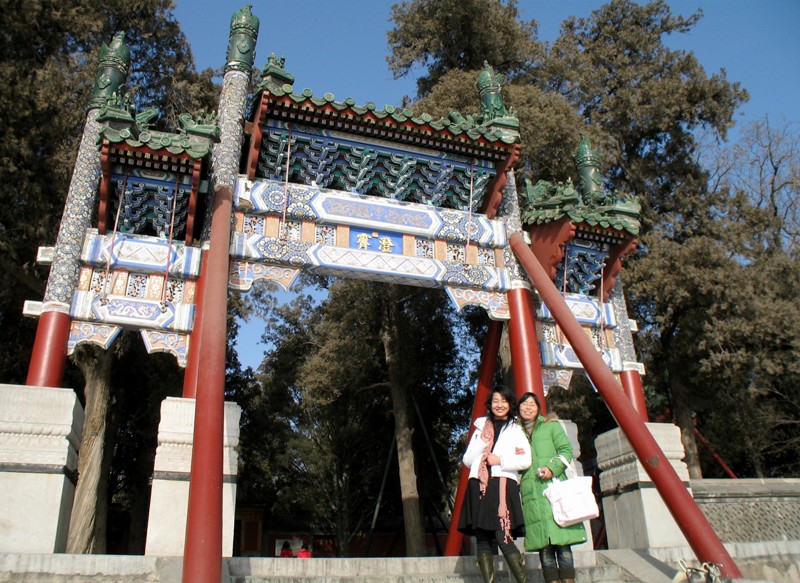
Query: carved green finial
x,y
242,41
112,72
590,181
586,155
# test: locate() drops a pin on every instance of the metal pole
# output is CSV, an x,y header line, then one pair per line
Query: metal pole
x,y
694,525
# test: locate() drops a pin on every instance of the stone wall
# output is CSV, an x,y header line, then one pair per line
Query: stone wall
x,y
751,510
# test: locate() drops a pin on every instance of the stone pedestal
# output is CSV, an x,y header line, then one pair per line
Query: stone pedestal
x,y
40,433
635,515
571,429
169,498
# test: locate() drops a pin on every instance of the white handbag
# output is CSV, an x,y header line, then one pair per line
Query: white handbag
x,y
572,500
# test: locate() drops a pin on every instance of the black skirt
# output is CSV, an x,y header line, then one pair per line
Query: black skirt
x,y
481,512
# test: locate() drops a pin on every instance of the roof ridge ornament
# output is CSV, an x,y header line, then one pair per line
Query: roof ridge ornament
x,y
589,204
494,113
274,76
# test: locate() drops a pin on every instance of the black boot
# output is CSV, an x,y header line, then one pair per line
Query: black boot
x,y
516,564
486,566
567,574
551,575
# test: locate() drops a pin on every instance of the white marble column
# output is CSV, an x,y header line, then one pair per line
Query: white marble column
x,y
635,514
40,433
166,527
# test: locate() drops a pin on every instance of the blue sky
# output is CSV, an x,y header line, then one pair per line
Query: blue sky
x,y
340,47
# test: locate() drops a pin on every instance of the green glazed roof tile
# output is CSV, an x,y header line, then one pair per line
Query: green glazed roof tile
x,y
460,129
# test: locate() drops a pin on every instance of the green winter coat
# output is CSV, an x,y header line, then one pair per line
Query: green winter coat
x,y
548,439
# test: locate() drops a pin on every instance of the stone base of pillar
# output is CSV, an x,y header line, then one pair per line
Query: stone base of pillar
x,y
40,433
571,429
169,498
635,515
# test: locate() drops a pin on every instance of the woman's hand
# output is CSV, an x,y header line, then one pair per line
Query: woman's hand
x,y
493,459
544,473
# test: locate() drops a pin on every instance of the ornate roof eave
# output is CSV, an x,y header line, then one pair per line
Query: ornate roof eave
x,y
589,206
609,219
120,127
454,134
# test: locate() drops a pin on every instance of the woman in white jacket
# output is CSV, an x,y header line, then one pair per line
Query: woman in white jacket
x,y
492,511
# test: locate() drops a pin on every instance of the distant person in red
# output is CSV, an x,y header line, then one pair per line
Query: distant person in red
x,y
304,552
286,550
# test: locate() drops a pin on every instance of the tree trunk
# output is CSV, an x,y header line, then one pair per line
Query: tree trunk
x,y
684,417
412,513
506,366
87,527
755,457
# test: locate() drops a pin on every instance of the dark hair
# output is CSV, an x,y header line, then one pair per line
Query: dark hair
x,y
286,545
508,395
528,396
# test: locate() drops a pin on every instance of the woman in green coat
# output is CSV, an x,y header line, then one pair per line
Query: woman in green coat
x,y
548,441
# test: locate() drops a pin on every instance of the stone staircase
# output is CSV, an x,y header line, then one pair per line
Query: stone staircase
x,y
424,570
592,567
780,562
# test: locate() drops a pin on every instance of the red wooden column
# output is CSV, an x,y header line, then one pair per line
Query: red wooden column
x,y
202,559
485,384
632,385
49,355
190,374
525,355
692,522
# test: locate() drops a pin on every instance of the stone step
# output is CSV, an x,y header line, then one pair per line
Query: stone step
x,y
399,570
592,567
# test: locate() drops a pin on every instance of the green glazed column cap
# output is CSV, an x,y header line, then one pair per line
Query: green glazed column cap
x,y
242,41
112,72
116,54
245,21
489,81
586,155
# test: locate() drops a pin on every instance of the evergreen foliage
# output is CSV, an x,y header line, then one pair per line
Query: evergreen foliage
x,y
712,286
331,419
48,60
704,285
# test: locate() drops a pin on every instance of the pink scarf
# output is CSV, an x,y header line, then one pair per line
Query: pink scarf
x,y
487,435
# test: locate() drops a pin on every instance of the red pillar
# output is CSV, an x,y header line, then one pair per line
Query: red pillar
x,y
202,558
485,385
190,374
694,525
525,355
632,385
49,350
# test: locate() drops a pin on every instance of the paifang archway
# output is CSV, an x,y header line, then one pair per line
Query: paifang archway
x,y
310,183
